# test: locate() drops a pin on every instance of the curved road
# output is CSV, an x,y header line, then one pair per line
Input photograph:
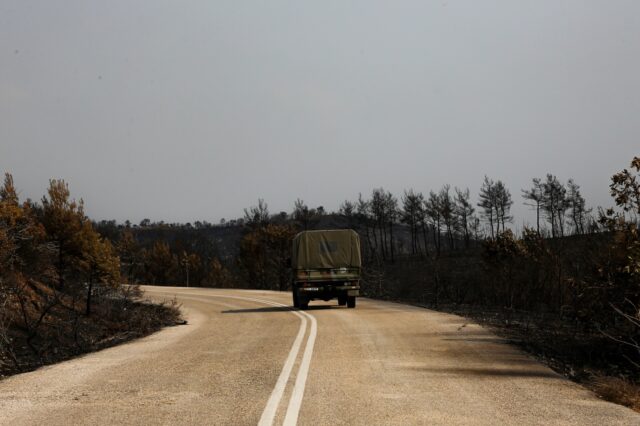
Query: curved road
x,y
246,358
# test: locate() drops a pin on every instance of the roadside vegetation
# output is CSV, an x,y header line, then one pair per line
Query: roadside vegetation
x,y
566,288
60,284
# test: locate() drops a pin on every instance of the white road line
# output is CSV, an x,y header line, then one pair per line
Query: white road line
x,y
295,401
270,410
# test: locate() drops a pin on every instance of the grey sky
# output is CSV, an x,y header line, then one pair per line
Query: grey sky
x,y
180,111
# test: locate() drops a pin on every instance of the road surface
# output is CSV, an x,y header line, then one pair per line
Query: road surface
x,y
246,358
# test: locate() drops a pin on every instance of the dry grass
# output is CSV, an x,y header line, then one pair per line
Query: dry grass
x,y
617,390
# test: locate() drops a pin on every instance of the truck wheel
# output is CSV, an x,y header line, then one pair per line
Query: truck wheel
x,y
304,302
351,302
342,300
296,304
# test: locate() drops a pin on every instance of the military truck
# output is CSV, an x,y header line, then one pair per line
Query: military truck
x,y
326,265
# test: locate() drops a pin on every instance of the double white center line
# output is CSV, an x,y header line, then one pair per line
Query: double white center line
x,y
295,400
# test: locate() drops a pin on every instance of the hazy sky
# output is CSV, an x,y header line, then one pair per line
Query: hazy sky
x,y
191,110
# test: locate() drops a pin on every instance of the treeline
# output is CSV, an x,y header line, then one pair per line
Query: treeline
x,y
60,284
174,254
253,250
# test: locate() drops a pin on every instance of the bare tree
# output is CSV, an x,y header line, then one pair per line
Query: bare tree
x,y
412,206
577,210
475,227
554,204
464,212
488,203
365,218
302,214
503,204
257,216
391,216
496,202
424,225
535,198
348,209
433,210
384,208
378,212
447,213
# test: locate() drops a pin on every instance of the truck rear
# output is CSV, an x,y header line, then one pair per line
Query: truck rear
x,y
326,265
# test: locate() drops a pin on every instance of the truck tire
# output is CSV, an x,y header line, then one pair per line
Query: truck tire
x,y
351,302
296,303
342,300
303,302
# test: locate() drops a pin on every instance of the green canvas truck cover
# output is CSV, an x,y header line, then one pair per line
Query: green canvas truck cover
x,y
338,248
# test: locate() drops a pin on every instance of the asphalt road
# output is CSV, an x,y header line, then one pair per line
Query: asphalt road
x,y
246,358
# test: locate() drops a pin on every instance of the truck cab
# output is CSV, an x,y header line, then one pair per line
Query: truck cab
x,y
326,265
